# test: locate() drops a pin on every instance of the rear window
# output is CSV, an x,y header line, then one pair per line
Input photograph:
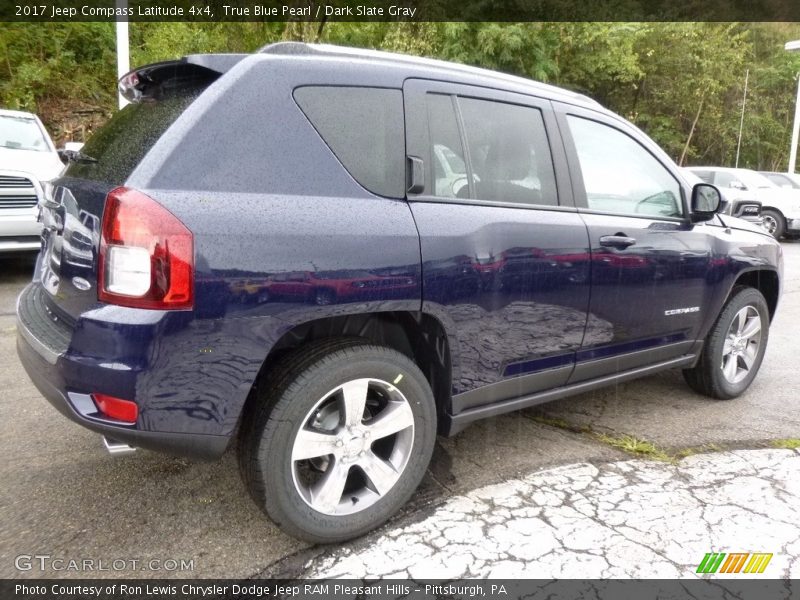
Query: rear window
x,y
121,144
365,130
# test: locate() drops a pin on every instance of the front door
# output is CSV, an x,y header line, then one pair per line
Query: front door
x,y
649,263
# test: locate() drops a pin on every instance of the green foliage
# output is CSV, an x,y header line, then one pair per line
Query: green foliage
x,y
681,82
41,64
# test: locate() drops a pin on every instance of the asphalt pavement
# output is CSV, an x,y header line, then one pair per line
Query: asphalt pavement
x,y
65,498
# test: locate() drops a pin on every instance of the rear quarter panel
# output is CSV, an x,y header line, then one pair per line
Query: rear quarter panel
x,y
264,196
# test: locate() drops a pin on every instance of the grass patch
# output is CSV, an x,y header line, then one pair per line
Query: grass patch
x,y
789,444
635,446
686,452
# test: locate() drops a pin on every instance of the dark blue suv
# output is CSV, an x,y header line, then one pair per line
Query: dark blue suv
x,y
331,255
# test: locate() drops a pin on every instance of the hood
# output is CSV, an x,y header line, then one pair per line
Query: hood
x,y
737,223
41,165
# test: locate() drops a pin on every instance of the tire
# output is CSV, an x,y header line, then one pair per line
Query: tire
x,y
774,222
710,376
303,409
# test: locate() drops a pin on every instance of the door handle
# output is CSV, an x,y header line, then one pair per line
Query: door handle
x,y
616,241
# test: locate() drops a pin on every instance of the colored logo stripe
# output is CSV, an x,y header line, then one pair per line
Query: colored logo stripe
x,y
711,562
758,563
734,562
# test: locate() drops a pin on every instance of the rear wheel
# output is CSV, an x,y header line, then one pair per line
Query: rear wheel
x,y
734,348
340,441
774,222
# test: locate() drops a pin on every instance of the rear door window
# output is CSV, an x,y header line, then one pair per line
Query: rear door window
x,y
364,128
509,152
449,171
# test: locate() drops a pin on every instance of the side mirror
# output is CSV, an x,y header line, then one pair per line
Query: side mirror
x,y
738,185
706,201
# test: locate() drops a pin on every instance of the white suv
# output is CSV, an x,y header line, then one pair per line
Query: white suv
x,y
780,207
27,157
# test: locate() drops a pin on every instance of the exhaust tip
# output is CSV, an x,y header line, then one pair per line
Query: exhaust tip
x,y
117,448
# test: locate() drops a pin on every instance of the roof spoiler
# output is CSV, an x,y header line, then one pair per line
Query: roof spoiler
x,y
190,72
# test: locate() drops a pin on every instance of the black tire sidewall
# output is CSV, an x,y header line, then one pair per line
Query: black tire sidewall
x,y
724,388
283,503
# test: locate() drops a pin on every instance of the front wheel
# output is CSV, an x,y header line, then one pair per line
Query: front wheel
x,y
774,222
734,348
340,440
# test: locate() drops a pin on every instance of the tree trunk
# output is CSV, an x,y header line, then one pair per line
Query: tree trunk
x,y
691,131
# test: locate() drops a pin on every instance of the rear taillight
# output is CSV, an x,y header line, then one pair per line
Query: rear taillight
x,y
146,254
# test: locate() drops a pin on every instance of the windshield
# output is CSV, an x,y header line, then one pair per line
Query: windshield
x,y
22,133
754,180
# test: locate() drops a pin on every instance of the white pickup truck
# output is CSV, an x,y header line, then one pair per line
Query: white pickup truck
x,y
780,207
27,158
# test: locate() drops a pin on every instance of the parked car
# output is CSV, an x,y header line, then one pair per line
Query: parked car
x,y
743,208
302,159
784,180
27,158
780,207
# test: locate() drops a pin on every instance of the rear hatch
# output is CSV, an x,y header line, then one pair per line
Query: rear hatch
x,y
72,207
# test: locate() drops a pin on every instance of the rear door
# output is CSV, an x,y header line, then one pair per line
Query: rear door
x,y
505,254
649,262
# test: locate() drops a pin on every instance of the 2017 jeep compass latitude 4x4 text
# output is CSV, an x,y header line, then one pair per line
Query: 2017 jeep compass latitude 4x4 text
x,y
325,257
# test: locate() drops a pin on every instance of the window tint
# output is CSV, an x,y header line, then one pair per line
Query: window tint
x,y
509,152
620,176
448,171
365,130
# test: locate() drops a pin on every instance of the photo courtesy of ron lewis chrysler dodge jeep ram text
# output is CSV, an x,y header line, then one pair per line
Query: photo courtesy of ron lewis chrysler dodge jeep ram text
x,y
324,257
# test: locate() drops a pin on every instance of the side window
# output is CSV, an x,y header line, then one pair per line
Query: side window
x,y
620,176
448,170
509,152
364,128
706,176
727,180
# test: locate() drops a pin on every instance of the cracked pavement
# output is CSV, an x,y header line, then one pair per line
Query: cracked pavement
x,y
626,519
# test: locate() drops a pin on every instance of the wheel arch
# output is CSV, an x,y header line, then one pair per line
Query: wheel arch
x,y
419,335
765,281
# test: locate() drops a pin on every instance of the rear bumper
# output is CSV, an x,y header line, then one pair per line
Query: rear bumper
x,y
42,353
793,225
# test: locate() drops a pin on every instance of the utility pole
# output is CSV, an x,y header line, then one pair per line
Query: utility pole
x,y
794,47
741,119
123,46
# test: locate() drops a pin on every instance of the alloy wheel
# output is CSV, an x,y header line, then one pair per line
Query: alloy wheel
x,y
352,446
741,345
